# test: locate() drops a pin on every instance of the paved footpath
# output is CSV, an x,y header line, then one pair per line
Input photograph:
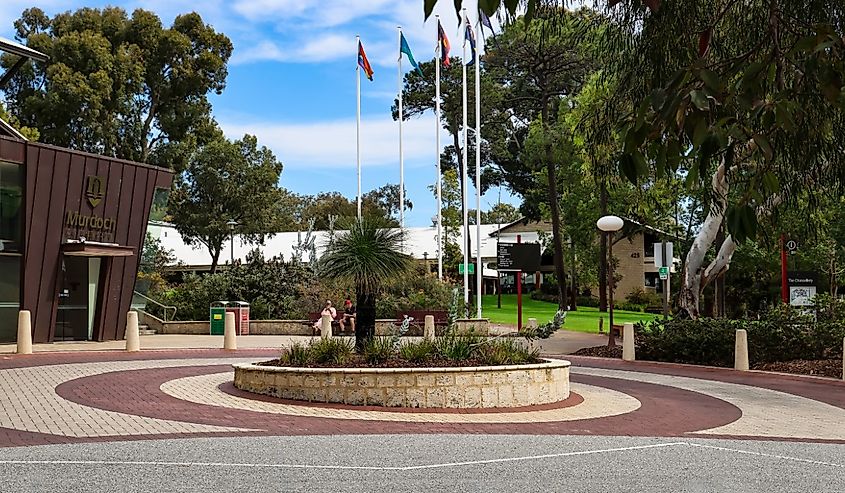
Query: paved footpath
x,y
76,416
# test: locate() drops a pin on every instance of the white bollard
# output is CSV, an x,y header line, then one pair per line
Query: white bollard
x,y
133,337
230,339
532,323
741,350
326,326
428,329
628,342
24,332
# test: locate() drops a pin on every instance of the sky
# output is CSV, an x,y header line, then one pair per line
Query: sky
x,y
292,84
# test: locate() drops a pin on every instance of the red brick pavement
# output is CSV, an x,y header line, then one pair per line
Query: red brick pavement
x,y
665,411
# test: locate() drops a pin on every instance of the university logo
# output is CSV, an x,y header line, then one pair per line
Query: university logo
x,y
95,190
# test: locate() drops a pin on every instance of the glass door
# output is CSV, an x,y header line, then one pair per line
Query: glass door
x,y
77,298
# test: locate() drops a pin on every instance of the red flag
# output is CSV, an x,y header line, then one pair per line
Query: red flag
x,y
363,62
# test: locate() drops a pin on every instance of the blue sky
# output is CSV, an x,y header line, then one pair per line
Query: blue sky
x,y
292,83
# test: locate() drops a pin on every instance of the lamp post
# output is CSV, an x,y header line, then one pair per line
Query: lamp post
x,y
232,225
609,225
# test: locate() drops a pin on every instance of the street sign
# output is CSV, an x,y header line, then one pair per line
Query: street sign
x,y
801,278
658,254
519,256
792,246
462,268
664,273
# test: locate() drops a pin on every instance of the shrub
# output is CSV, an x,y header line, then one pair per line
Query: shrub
x,y
783,334
629,307
377,350
417,352
331,350
639,296
587,301
458,347
507,352
295,355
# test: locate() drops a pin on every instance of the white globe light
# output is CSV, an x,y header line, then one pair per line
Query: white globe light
x,y
610,223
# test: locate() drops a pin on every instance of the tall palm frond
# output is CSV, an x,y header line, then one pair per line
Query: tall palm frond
x,y
368,255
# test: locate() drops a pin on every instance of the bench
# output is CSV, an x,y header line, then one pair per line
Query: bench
x,y
441,318
316,316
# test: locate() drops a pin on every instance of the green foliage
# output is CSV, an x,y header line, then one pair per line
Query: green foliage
x,y
116,84
418,291
297,354
641,297
417,351
227,181
368,255
275,289
334,350
377,350
507,352
784,334
458,347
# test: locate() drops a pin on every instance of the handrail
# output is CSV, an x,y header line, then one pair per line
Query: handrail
x,y
164,307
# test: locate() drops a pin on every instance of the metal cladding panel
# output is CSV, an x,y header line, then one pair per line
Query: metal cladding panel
x,y
70,195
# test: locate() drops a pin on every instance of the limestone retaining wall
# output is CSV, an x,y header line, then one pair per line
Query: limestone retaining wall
x,y
302,328
470,387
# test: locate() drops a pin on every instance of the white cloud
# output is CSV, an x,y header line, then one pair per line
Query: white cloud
x,y
331,144
315,50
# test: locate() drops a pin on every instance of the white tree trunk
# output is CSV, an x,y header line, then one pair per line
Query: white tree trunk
x,y
691,278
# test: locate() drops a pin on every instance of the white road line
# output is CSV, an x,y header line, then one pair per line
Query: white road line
x,y
770,456
330,467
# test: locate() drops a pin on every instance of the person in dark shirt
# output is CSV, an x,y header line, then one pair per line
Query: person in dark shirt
x,y
348,316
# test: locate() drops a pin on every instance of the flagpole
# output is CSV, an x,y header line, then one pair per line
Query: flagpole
x,y
465,236
437,63
358,123
478,274
401,156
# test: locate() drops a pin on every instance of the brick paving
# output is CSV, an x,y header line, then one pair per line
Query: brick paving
x,y
107,396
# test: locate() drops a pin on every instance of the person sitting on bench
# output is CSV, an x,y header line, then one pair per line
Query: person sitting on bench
x,y
327,310
348,316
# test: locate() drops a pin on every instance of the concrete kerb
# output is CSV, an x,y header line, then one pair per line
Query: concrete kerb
x,y
434,387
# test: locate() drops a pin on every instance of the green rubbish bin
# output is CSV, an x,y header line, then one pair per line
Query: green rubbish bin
x,y
217,317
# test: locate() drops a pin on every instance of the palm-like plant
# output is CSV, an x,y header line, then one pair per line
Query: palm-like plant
x,y
367,255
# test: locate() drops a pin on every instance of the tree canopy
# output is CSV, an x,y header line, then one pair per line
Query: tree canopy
x,y
118,84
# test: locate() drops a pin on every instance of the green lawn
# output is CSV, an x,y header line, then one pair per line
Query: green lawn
x,y
585,319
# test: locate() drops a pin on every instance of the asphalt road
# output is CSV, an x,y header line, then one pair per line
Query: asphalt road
x,y
416,463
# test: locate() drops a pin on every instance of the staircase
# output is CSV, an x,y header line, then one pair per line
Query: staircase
x,y
149,324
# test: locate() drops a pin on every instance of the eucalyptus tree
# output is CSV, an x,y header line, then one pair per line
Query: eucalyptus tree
x,y
118,84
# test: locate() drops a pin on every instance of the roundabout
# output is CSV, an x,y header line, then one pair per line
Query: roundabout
x,y
172,418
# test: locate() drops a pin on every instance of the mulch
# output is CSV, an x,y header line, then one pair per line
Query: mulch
x,y
822,368
601,351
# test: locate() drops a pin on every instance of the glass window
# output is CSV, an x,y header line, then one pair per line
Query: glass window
x,y
10,292
11,202
158,211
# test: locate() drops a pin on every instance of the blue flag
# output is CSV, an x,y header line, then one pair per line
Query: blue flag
x,y
404,48
470,36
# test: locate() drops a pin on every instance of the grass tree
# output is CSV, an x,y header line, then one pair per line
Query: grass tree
x,y
367,255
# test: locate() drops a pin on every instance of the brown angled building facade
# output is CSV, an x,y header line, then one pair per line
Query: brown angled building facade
x,y
72,229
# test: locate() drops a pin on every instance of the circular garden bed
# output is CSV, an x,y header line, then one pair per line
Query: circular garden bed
x,y
502,386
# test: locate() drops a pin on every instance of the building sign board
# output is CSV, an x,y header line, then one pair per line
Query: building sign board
x,y
802,287
519,256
